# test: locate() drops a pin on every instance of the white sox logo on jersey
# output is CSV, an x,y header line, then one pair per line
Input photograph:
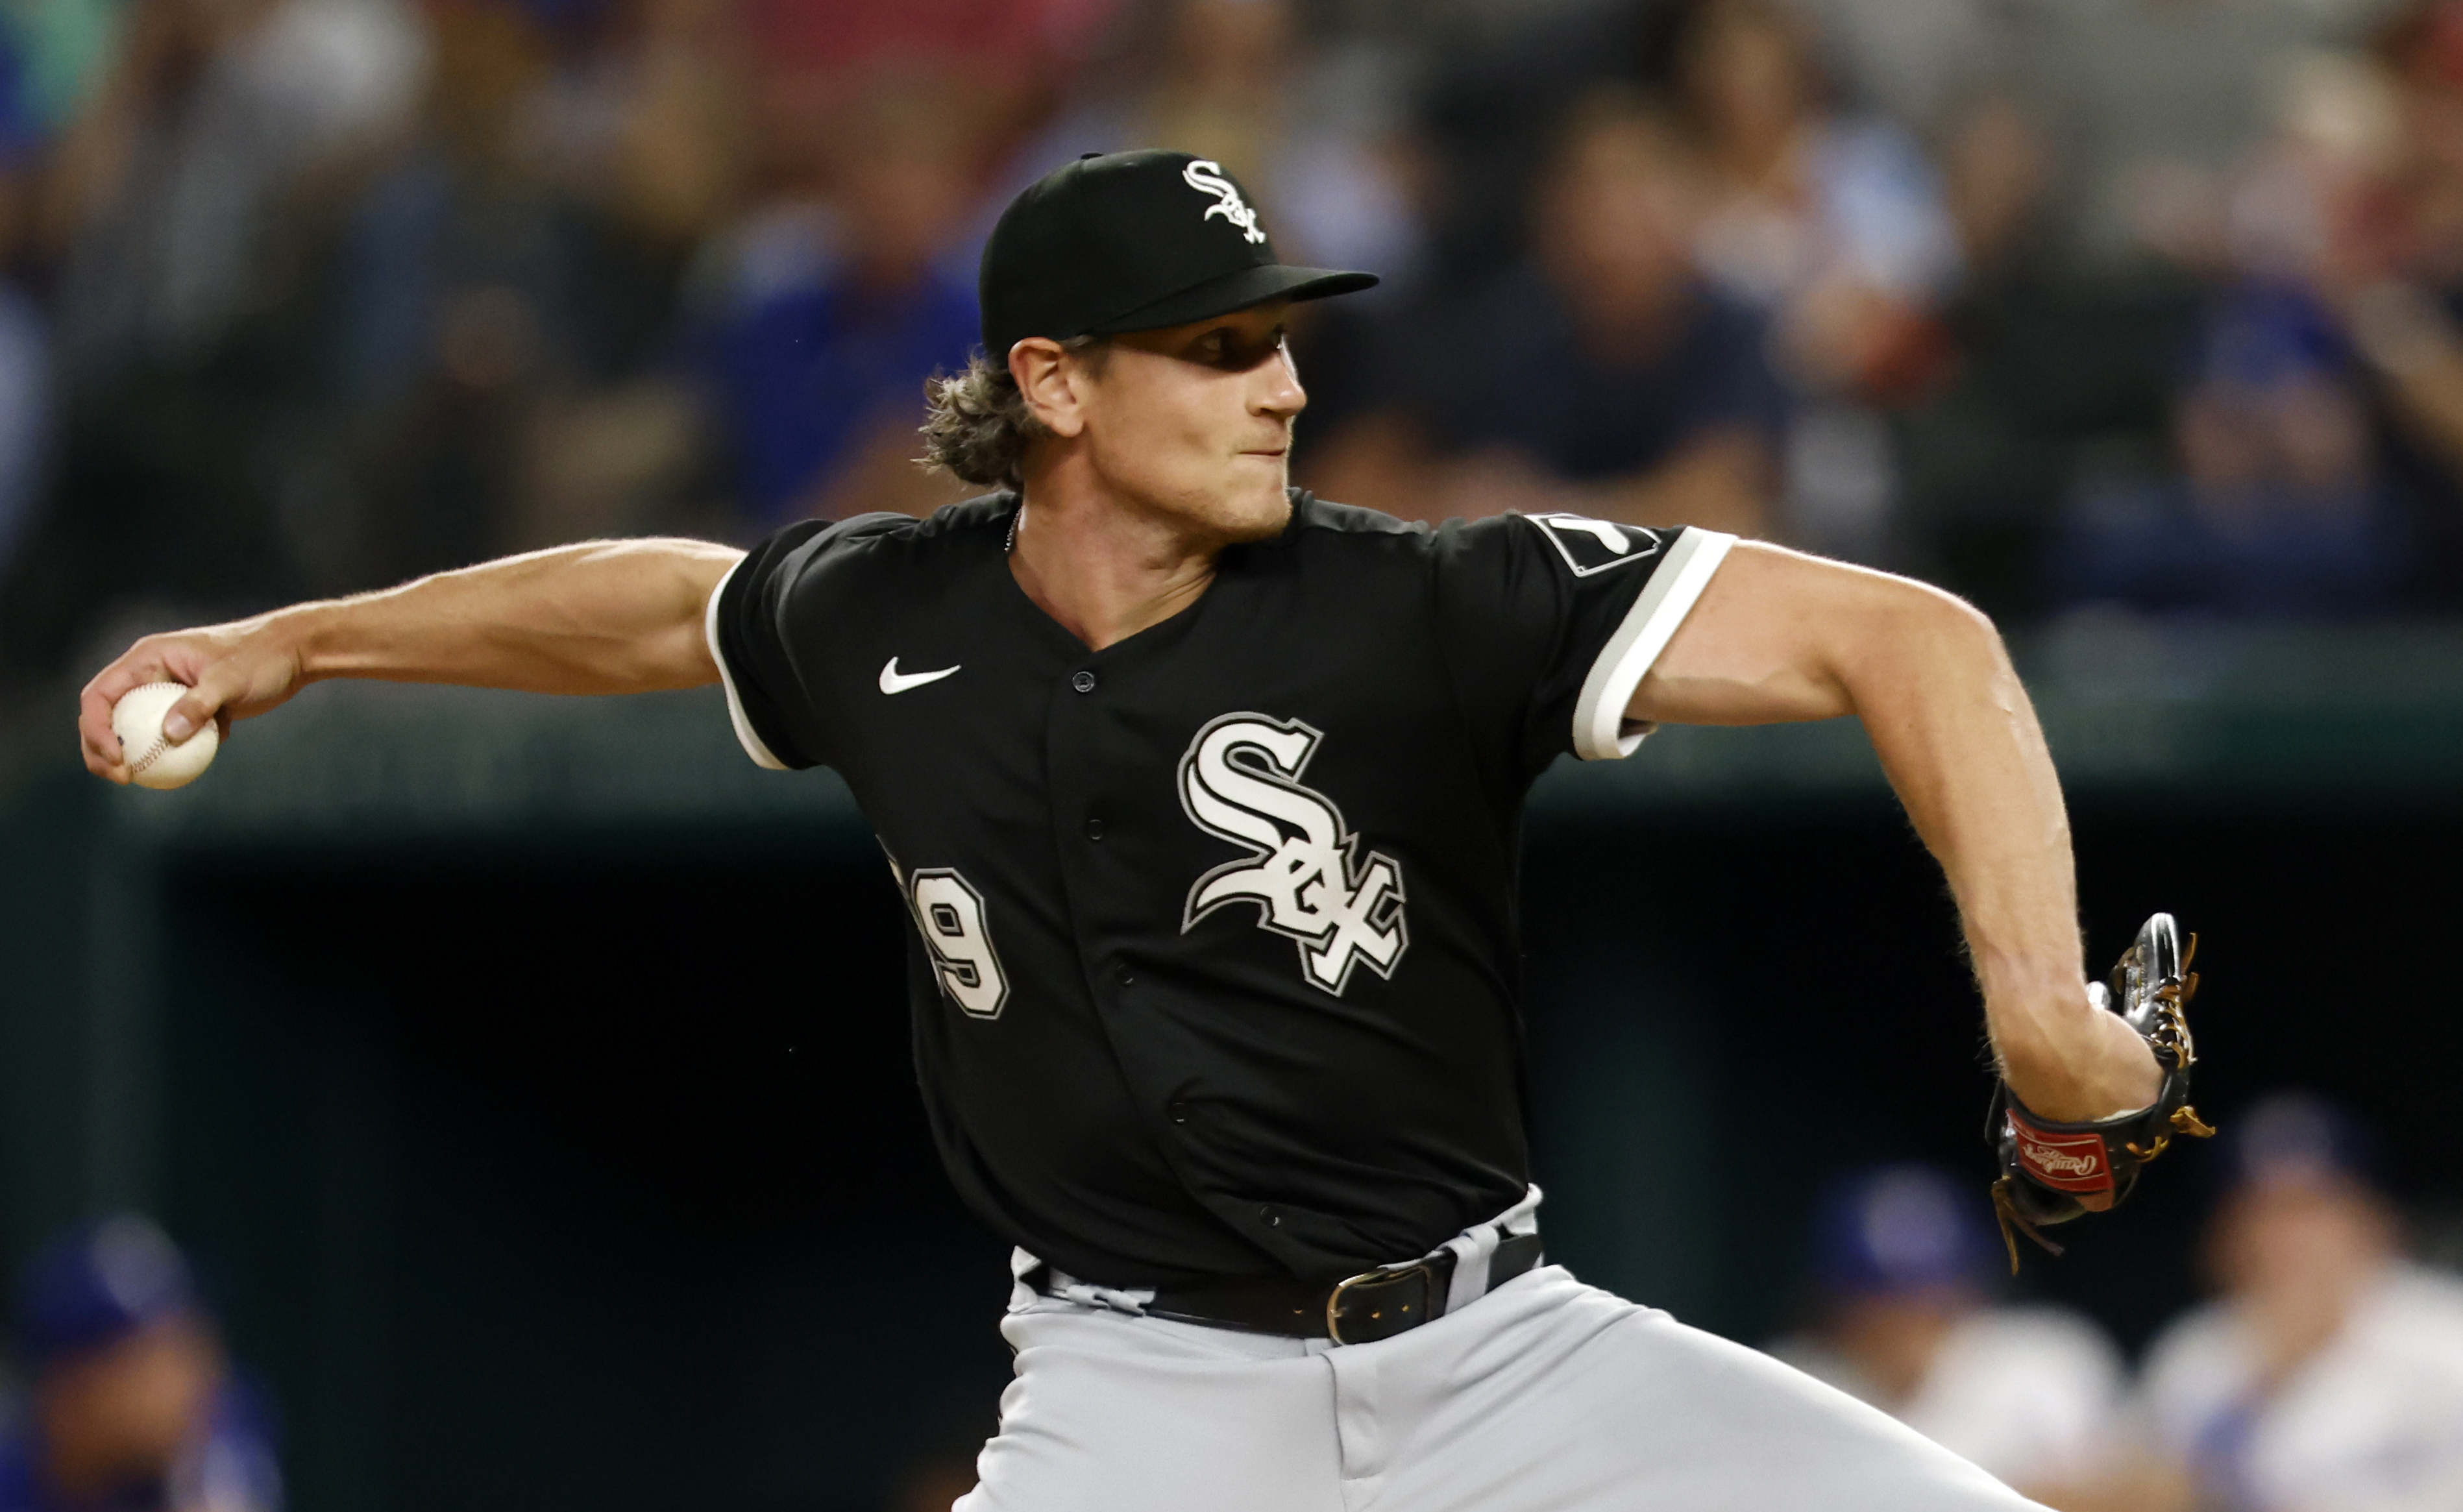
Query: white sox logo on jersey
x,y
1240,781
1207,178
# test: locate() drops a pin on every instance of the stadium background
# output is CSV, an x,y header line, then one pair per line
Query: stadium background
x,y
528,1079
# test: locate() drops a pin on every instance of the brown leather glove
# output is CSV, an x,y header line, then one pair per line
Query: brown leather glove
x,y
2047,1165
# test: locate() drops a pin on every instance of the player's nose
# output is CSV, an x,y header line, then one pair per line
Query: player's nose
x,y
1278,391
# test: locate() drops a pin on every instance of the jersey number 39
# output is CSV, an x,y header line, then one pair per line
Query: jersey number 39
x,y
949,914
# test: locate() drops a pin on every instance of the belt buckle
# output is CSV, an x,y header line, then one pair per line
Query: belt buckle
x,y
1334,1300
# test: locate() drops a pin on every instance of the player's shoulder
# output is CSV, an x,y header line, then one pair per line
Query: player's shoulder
x,y
1340,549
1579,546
822,556
1321,523
966,523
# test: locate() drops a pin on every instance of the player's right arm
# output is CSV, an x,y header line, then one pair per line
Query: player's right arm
x,y
603,616
1780,637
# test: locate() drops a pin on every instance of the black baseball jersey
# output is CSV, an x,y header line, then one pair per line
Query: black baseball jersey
x,y
1215,957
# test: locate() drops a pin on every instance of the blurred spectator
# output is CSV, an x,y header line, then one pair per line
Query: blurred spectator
x,y
834,315
173,172
1833,224
1910,60
25,361
1836,224
1605,376
2277,509
1315,135
1002,45
510,284
2158,103
2389,257
166,237
2280,503
2049,369
133,1404
1905,1267
2329,1372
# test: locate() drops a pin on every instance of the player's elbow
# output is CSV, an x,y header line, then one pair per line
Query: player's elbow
x,y
1918,622
1904,634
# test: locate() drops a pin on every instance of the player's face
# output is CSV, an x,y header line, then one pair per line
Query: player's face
x,y
1195,422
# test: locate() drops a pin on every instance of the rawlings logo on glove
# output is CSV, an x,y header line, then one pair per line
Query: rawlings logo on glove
x,y
2068,1164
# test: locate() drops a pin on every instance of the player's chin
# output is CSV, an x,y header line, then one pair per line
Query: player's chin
x,y
1258,520
1257,507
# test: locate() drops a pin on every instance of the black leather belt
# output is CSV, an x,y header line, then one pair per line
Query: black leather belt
x,y
1372,1306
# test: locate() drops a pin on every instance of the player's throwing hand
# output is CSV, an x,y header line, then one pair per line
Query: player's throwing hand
x,y
232,672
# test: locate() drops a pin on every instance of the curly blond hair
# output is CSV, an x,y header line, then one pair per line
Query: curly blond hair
x,y
977,422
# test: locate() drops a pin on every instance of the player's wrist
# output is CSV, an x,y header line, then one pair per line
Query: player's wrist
x,y
314,638
2078,1066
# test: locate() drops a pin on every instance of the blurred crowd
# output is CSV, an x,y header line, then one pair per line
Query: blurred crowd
x,y
2324,1376
130,1403
2059,303
2324,1373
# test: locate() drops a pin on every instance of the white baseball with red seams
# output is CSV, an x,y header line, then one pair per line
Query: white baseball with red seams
x,y
154,760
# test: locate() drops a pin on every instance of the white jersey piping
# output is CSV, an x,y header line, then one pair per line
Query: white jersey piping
x,y
743,733
1599,732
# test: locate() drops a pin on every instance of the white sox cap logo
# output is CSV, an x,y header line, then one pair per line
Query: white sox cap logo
x,y
1239,780
1207,178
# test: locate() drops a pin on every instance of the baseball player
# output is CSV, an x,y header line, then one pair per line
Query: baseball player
x,y
135,1405
1204,796
2328,1373
1906,1265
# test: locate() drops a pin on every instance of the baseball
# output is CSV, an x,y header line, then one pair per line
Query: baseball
x,y
152,760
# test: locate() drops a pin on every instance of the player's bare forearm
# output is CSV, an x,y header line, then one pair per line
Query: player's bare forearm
x,y
605,617
1780,637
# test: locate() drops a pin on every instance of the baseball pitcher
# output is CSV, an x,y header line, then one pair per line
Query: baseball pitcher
x,y
1204,797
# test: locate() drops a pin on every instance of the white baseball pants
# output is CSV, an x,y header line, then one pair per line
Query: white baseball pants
x,y
1545,1396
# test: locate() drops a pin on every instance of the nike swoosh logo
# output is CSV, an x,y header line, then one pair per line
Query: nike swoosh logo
x,y
893,680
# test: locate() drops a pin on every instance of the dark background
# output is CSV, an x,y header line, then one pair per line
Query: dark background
x,y
585,1167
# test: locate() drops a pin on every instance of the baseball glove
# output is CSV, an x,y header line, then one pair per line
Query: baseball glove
x,y
2047,1165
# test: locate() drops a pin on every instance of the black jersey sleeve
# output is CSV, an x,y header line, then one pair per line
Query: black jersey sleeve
x,y
1549,622
752,623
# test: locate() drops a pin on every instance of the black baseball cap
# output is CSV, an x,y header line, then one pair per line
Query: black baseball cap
x,y
1131,241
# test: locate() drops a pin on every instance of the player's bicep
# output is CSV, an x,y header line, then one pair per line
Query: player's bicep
x,y
1768,639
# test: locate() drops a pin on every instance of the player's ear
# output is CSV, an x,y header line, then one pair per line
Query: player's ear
x,y
1050,383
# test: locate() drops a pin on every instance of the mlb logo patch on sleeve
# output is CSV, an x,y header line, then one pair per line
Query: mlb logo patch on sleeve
x,y
1591,545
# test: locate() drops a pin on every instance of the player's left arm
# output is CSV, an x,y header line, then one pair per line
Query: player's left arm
x,y
1779,637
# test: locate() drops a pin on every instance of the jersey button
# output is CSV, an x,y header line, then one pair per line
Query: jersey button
x,y
1178,1112
1093,829
1271,1217
1123,975
1084,683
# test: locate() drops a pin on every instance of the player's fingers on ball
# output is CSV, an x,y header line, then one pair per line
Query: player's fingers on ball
x,y
103,755
103,758
197,707
140,664
95,738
